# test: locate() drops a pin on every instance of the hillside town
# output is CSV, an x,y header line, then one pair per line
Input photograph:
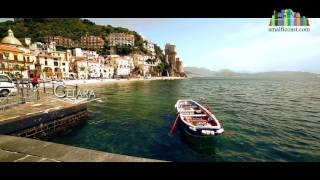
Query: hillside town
x,y
81,59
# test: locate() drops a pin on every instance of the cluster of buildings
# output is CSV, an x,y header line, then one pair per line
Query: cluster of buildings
x,y
45,61
92,42
87,41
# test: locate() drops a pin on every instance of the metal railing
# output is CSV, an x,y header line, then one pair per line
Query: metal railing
x,y
9,101
26,93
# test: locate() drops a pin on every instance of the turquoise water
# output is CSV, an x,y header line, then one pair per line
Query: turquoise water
x,y
264,120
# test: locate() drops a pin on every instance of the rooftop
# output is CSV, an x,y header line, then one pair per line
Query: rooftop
x,y
6,47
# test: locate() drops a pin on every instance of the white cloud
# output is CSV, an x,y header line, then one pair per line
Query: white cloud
x,y
258,50
249,30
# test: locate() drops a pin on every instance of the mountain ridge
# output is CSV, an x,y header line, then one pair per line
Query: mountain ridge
x,y
205,72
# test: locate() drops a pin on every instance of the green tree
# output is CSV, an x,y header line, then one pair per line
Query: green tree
x,y
2,65
137,70
105,50
18,75
45,69
124,49
16,67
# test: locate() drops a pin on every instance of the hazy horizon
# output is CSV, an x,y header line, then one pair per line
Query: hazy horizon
x,y
252,72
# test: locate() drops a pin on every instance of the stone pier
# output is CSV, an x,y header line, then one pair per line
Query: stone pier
x,y
48,115
18,149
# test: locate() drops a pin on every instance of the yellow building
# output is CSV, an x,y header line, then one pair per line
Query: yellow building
x,y
14,58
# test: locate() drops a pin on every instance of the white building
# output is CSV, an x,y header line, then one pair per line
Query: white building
x,y
145,62
54,64
95,69
81,68
121,39
123,67
78,52
87,64
150,47
37,47
107,71
122,64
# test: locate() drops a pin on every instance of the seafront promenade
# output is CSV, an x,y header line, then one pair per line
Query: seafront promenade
x,y
102,81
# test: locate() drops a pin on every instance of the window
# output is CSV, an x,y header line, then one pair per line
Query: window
x,y
15,57
46,62
4,79
63,64
1,56
56,63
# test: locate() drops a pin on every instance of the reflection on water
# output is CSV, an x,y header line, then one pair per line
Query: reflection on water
x,y
264,120
203,145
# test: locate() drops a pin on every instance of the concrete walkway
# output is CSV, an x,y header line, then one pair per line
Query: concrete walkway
x,y
17,149
45,104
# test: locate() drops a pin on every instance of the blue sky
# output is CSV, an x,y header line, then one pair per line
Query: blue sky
x,y
242,45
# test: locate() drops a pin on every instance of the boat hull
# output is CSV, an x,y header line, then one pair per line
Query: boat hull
x,y
198,132
196,120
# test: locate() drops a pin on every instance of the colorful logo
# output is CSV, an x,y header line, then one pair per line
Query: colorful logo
x,y
287,17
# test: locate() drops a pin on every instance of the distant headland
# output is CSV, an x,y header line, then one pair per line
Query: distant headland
x,y
204,72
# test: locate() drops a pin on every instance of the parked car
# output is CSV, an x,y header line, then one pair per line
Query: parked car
x,y
58,80
7,86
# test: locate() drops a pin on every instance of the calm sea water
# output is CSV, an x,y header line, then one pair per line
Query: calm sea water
x,y
264,120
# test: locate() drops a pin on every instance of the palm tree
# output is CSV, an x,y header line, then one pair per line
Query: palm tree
x,y
18,75
21,68
137,70
16,67
45,70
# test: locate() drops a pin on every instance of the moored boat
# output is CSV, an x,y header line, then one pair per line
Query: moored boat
x,y
197,120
